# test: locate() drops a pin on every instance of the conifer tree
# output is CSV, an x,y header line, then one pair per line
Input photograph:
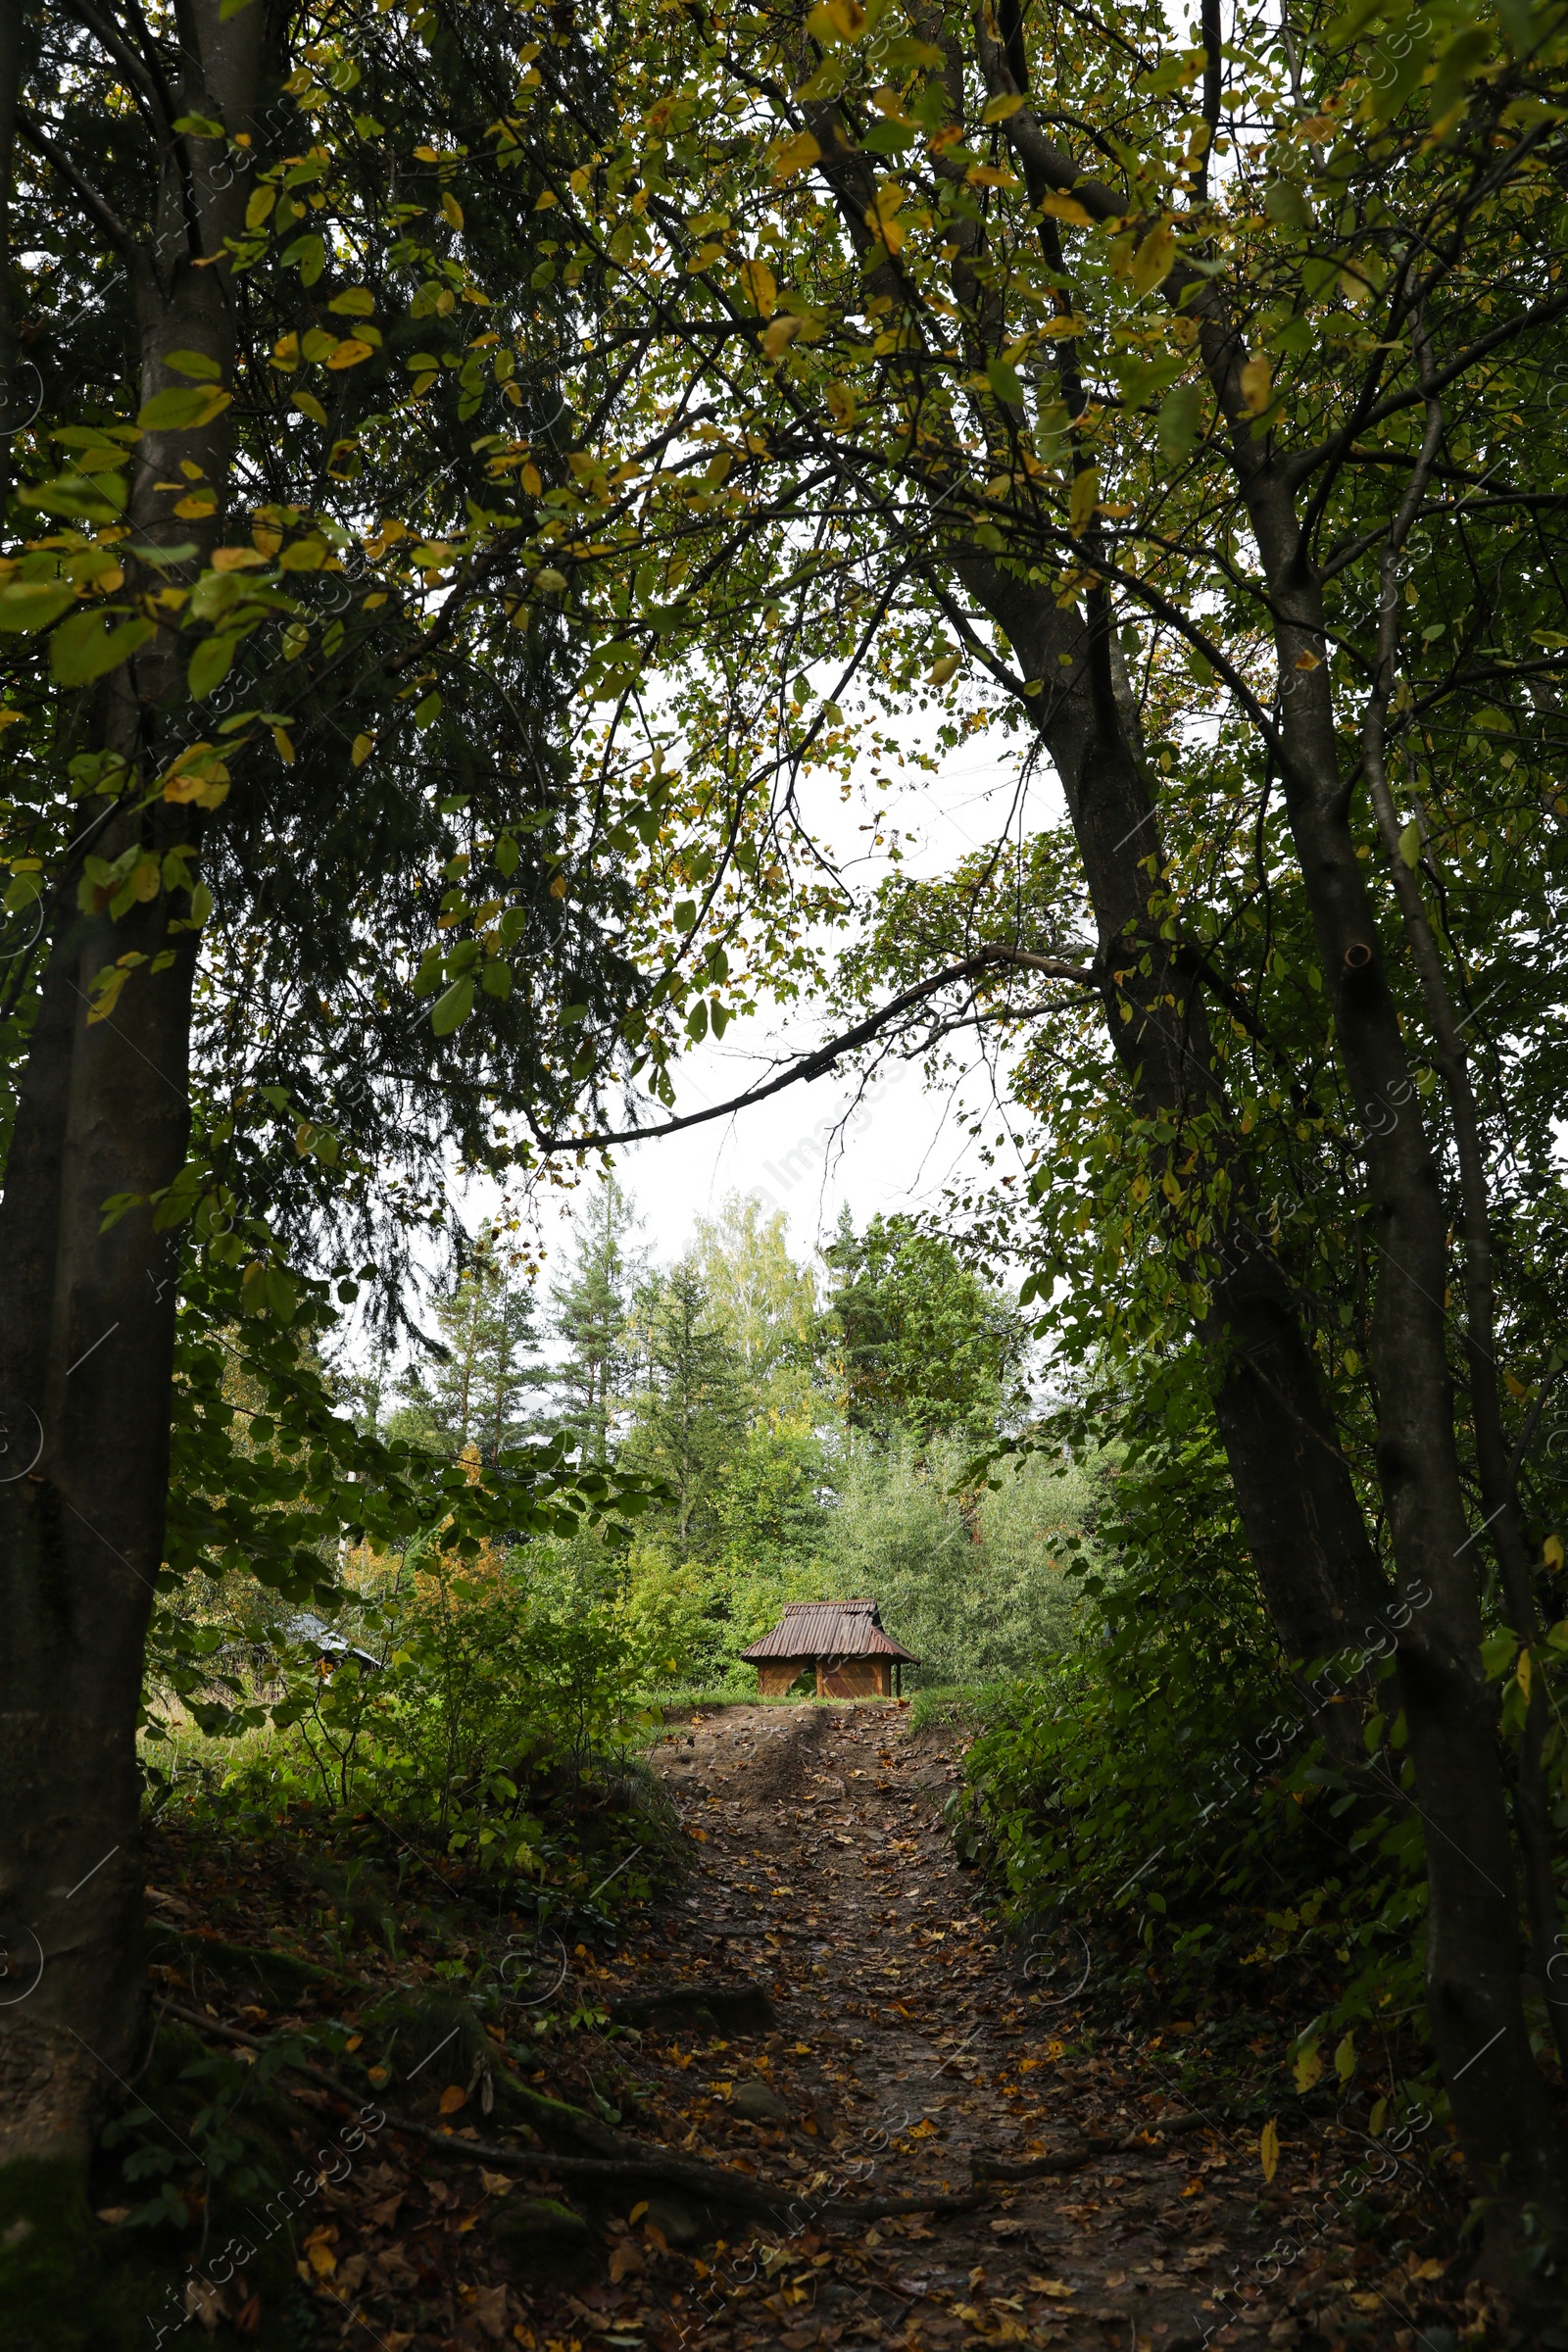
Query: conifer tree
x,y
490,1367
591,1310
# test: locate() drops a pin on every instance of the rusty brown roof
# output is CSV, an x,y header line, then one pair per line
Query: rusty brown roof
x,y
829,1629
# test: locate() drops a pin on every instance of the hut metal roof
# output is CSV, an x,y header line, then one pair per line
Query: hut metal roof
x,y
829,1629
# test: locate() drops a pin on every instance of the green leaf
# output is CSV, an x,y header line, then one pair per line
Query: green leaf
x,y
454,1008
87,645
1457,66
79,497
180,411
1003,377
427,712
1411,844
1288,203
193,362
26,605
200,127
210,664
308,255
1181,415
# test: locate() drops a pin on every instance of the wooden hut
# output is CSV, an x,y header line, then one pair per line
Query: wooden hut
x,y
843,1640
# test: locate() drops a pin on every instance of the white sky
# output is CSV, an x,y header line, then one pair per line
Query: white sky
x,y
898,1146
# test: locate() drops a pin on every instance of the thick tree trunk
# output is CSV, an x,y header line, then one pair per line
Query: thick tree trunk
x,y
87,1315
1303,1524
1507,2122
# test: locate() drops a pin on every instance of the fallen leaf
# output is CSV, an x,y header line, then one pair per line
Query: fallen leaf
x,y
1268,2148
490,2310
452,2098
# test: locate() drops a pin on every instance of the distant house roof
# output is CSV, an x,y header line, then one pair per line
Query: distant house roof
x,y
829,1629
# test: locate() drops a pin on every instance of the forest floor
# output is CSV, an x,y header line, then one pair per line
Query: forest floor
x,y
904,2053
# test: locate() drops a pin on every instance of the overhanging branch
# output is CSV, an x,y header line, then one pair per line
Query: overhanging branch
x,y
812,1065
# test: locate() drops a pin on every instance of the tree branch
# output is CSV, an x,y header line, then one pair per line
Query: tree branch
x,y
812,1065
104,215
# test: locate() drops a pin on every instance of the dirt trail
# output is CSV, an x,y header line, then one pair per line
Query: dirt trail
x,y
911,2043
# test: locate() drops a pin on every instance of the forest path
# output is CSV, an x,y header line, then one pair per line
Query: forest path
x,y
912,2040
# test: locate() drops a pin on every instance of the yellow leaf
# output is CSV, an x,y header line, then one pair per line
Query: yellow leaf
x,y
1344,2058
452,207
106,988
761,288
349,353
1065,208
777,338
531,479
558,888
1152,263
283,746
942,670
198,504
364,746
1523,1672
1375,2121
1308,2068
1257,378
236,559
1307,660
1085,497
543,201
1268,2148
309,405
322,2259
794,155
996,109
452,2098
1552,1551
836,21
1516,1388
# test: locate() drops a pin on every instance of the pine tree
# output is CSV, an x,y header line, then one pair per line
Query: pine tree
x,y
691,1404
489,1367
591,1310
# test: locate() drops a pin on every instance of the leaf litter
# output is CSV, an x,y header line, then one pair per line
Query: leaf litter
x,y
936,2150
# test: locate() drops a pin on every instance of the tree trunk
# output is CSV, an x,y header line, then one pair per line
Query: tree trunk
x,y
87,1315
1511,2134
1303,1524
